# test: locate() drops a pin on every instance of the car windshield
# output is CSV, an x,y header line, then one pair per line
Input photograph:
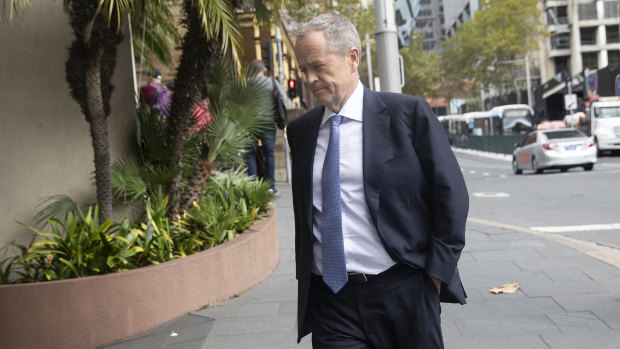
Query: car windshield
x,y
564,134
607,112
516,121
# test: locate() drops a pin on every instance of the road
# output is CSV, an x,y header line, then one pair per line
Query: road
x,y
578,204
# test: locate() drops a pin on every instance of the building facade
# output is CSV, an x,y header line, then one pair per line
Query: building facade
x,y
585,34
457,12
430,22
582,54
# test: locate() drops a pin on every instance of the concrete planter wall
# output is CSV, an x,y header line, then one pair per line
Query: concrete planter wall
x,y
92,311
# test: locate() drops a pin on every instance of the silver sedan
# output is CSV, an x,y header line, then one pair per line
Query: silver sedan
x,y
554,149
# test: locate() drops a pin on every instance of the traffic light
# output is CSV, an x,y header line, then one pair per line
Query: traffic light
x,y
292,90
266,51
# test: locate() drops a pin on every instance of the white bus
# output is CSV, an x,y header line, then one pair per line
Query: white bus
x,y
516,118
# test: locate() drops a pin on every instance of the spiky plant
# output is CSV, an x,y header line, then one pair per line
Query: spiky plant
x,y
238,110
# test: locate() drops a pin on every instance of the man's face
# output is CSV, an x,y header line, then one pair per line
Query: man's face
x,y
331,77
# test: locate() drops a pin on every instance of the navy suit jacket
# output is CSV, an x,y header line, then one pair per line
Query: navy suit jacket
x,y
414,188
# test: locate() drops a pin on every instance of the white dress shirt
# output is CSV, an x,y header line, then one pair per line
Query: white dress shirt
x,y
363,250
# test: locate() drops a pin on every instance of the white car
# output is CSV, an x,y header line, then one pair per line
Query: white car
x,y
554,149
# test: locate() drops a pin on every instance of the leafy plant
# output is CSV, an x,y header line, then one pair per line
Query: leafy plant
x,y
231,203
77,246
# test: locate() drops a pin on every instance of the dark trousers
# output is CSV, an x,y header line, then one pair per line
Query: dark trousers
x,y
398,309
268,140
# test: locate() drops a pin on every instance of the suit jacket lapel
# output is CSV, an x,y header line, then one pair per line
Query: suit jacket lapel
x,y
311,139
375,131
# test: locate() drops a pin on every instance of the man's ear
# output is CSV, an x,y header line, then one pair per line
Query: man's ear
x,y
354,59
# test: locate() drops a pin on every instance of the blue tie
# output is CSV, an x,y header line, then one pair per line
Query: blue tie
x,y
334,265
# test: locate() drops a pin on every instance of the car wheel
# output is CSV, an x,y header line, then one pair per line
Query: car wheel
x,y
535,166
599,152
515,167
564,169
588,167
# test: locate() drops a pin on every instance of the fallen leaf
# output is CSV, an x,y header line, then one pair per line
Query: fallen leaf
x,y
505,288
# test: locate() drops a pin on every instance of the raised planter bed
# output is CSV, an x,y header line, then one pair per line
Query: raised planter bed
x,y
92,311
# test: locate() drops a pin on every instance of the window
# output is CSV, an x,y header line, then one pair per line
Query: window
x,y
590,60
588,36
610,9
587,11
564,134
428,35
557,15
561,64
613,58
612,33
560,41
428,46
425,13
425,2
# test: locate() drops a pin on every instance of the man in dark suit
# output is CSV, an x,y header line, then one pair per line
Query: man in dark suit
x,y
380,205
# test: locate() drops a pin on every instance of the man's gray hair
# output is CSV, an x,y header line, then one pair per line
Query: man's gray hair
x,y
341,34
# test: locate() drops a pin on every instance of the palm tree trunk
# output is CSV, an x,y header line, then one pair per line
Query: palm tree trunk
x,y
196,185
99,135
199,56
89,68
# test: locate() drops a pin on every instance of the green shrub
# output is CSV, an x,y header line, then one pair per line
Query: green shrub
x,y
77,245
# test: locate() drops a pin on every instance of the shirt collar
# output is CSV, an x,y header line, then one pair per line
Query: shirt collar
x,y
352,108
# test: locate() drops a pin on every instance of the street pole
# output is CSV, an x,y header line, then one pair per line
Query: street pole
x,y
279,55
281,79
369,59
527,77
387,46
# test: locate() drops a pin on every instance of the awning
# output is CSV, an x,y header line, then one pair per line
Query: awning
x,y
555,89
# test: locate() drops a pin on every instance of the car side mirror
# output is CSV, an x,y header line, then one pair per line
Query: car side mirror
x,y
517,144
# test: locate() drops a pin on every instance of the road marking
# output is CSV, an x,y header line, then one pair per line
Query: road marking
x,y
491,195
569,228
603,253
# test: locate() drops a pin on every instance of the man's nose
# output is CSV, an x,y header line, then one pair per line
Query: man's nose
x,y
311,77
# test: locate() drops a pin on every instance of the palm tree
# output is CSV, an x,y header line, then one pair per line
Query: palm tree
x,y
237,110
212,31
234,107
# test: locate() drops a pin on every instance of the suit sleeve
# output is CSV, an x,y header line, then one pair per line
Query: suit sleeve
x,y
449,200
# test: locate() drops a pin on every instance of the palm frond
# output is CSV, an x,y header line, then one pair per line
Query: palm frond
x,y
57,206
14,8
127,179
220,21
154,33
151,136
117,10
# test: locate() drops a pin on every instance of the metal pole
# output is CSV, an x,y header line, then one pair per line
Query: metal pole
x,y
369,59
527,76
387,46
279,55
281,79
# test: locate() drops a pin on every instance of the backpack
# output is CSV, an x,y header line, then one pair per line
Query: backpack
x,y
160,101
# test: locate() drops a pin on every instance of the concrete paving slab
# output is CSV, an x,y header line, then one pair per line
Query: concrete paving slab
x,y
567,299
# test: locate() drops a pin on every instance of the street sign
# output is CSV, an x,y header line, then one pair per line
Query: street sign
x,y
570,101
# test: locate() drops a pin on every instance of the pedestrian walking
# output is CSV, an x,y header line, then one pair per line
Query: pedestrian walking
x,y
380,204
262,149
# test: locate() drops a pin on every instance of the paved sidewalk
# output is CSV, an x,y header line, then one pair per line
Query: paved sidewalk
x,y
566,299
